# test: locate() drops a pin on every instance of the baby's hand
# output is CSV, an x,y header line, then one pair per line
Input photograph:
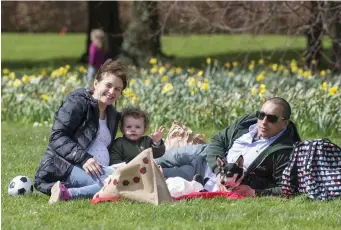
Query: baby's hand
x,y
158,134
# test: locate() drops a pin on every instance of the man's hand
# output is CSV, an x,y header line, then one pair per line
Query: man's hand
x,y
244,190
92,167
158,134
221,187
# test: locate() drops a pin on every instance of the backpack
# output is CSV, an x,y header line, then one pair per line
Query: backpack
x,y
314,169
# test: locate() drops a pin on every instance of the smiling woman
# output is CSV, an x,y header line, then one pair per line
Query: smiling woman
x,y
84,127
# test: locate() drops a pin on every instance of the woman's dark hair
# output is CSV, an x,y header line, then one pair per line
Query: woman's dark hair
x,y
135,113
113,67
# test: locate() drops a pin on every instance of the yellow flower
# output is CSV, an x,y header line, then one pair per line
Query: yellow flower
x,y
313,62
260,77
274,67
194,91
333,90
167,88
9,83
293,68
164,78
162,70
5,71
208,60
172,70
128,93
154,69
261,88
45,97
191,70
254,91
153,61
228,65
260,61
190,81
205,86
25,79
131,82
178,70
251,66
12,75
147,82
230,74
324,86
281,67
134,99
63,89
323,73
300,71
235,64
293,62
306,73
16,83
67,67
200,73
43,72
82,69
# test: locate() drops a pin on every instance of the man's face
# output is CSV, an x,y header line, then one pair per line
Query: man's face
x,y
269,129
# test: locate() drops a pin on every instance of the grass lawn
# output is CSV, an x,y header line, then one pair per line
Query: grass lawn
x,y
23,51
23,146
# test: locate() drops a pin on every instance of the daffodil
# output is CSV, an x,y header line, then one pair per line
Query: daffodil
x,y
251,66
25,79
131,82
200,73
178,70
262,88
293,68
260,61
306,73
205,86
324,86
82,69
254,91
147,82
164,78
134,99
208,60
167,88
154,69
323,73
227,65
235,64
153,61
16,83
190,82
162,70
274,67
12,75
259,78
333,90
45,97
5,71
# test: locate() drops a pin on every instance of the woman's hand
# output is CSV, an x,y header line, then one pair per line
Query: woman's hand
x,y
92,167
158,134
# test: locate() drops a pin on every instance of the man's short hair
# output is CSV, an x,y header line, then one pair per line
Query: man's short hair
x,y
284,104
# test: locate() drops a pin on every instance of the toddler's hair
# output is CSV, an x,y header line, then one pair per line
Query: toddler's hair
x,y
135,113
96,33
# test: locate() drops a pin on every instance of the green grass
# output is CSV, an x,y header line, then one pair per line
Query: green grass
x,y
22,52
22,148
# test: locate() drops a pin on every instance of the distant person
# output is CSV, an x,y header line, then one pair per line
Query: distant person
x,y
97,55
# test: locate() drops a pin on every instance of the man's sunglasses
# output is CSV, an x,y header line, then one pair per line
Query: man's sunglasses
x,y
270,118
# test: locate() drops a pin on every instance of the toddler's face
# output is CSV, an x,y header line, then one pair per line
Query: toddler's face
x,y
133,128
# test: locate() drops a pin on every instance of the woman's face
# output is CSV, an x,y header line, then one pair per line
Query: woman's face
x,y
108,90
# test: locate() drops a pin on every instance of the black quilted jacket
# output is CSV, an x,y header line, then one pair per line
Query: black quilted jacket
x,y
73,132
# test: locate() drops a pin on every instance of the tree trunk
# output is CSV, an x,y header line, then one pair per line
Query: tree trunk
x,y
104,15
314,37
142,38
336,51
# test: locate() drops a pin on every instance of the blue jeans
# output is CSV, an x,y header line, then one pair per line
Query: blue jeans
x,y
185,162
83,185
89,78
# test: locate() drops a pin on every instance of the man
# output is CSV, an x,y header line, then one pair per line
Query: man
x,y
265,140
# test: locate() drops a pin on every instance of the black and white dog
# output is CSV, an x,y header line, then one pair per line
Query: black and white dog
x,y
232,173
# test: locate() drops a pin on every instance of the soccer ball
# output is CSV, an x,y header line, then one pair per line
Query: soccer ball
x,y
20,185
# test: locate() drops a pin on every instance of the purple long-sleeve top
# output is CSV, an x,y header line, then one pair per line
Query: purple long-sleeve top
x,y
96,56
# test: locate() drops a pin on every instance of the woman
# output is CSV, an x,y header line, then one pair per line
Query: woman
x,y
84,127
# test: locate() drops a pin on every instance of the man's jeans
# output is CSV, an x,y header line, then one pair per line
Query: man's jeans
x,y
83,185
184,162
